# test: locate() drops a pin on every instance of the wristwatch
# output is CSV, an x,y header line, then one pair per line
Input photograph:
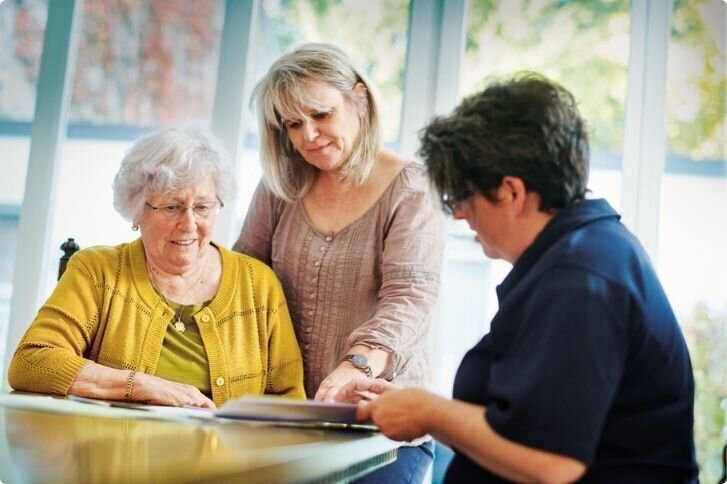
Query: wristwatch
x,y
361,362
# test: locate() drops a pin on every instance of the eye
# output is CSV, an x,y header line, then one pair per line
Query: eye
x,y
171,209
292,124
203,208
321,115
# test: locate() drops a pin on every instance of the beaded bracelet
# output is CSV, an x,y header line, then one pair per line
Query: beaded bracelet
x,y
129,385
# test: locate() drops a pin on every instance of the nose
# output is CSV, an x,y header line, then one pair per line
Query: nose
x,y
310,130
187,220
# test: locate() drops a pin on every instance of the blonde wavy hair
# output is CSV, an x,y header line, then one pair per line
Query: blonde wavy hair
x,y
282,93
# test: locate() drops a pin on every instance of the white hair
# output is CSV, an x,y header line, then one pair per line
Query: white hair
x,y
168,160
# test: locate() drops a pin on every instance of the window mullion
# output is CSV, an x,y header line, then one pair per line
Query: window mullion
x,y
644,127
48,132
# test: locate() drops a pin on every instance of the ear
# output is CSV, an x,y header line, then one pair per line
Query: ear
x,y
360,98
513,192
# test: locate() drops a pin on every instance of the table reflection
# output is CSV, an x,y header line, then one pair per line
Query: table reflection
x,y
53,447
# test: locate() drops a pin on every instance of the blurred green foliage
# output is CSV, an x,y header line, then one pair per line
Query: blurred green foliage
x,y
584,45
706,334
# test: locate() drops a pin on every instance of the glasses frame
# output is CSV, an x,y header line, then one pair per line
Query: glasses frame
x,y
450,202
159,209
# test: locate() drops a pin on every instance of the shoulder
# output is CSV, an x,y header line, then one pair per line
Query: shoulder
x,y
409,186
99,256
413,178
264,196
411,194
249,267
606,248
605,251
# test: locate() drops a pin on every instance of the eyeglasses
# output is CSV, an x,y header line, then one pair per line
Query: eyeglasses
x,y
201,210
450,202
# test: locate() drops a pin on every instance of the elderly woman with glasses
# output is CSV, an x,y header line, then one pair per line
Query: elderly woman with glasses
x,y
171,318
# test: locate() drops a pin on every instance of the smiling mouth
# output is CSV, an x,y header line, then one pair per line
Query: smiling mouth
x,y
183,243
318,149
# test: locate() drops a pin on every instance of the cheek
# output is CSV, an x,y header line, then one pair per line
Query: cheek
x,y
292,138
205,229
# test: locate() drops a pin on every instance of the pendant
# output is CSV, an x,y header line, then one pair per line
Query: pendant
x,y
179,326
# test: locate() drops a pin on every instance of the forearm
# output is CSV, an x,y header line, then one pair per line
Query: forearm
x,y
463,425
98,381
397,332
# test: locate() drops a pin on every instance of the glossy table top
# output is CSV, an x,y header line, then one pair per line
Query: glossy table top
x,y
44,439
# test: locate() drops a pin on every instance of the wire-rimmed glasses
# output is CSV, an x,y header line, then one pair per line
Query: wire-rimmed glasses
x,y
201,210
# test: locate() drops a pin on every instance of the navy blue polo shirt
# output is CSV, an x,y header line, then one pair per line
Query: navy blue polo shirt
x,y
585,357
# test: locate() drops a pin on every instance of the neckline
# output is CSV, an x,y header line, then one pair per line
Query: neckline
x,y
149,295
377,202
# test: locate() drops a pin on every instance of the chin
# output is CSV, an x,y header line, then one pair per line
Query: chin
x,y
492,254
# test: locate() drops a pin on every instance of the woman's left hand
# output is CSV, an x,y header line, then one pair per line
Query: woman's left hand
x,y
335,380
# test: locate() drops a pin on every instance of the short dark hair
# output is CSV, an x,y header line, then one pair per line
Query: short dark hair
x,y
526,126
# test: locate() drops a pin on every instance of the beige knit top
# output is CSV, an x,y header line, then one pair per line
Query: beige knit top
x,y
375,282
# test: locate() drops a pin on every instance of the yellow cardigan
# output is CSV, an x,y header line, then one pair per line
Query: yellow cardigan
x,y
105,309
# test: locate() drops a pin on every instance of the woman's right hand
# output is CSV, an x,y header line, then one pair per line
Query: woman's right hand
x,y
158,391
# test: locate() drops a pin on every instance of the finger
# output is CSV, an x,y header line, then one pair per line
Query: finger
x,y
349,396
209,404
366,395
330,395
357,385
320,394
363,412
324,388
377,386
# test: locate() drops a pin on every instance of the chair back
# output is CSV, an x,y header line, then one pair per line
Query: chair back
x,y
69,247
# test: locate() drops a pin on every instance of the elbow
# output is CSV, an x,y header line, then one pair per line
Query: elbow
x,y
14,374
561,470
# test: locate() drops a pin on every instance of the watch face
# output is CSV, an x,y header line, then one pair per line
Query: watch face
x,y
359,361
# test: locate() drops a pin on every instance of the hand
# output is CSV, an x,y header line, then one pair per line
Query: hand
x,y
329,387
356,391
158,391
400,414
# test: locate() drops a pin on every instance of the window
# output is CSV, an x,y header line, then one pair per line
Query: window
x,y
692,238
582,45
135,62
141,65
22,27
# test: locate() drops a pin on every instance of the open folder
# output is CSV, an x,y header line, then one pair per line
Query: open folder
x,y
276,409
